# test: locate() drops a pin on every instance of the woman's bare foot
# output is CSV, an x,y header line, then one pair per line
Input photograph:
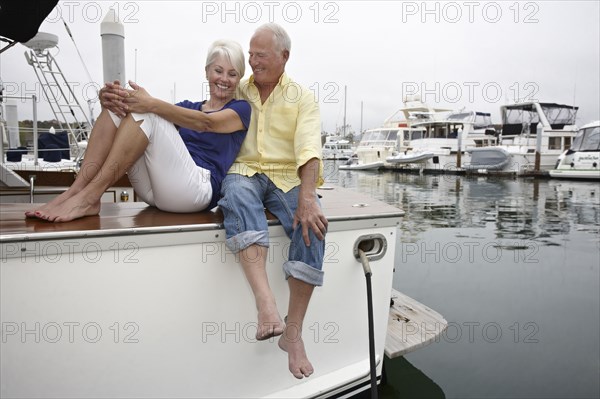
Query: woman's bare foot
x,y
75,207
292,343
57,200
269,323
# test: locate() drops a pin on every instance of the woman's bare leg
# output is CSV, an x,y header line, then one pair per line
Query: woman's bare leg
x,y
129,144
99,145
253,260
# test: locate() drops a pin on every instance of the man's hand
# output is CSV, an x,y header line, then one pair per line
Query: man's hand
x,y
310,216
308,213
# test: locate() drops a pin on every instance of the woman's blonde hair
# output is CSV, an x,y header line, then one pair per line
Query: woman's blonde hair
x,y
230,50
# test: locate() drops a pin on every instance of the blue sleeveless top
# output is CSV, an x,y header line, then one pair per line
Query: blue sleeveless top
x,y
215,151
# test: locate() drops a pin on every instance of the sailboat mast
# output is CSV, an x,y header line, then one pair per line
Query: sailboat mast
x,y
361,117
344,127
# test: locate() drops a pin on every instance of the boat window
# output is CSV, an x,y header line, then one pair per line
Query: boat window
x,y
373,137
455,130
588,139
438,132
554,143
567,143
392,135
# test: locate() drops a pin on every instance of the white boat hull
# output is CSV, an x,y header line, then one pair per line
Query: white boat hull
x,y
410,158
582,160
488,158
168,313
501,159
578,165
362,166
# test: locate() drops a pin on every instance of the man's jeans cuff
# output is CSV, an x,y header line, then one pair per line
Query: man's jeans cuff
x,y
302,271
246,238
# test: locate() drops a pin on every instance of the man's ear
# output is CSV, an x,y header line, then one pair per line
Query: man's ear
x,y
286,55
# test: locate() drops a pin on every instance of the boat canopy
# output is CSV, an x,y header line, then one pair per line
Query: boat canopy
x,y
20,20
483,120
480,120
461,116
525,117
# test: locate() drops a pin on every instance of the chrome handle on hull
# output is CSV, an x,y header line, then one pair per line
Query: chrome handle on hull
x,y
31,188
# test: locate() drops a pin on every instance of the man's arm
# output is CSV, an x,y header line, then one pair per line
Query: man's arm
x,y
309,214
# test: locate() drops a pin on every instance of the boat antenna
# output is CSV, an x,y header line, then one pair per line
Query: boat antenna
x,y
77,49
89,76
574,96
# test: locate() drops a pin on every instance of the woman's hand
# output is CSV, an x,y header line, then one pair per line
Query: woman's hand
x,y
111,98
138,100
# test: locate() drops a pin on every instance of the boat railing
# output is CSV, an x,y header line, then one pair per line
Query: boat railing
x,y
72,146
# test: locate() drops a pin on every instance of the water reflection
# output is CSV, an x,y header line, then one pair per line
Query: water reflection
x,y
513,265
520,209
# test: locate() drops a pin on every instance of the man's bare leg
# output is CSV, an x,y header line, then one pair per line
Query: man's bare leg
x,y
101,140
291,340
253,260
129,144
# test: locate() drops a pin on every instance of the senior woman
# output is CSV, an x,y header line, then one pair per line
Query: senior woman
x,y
176,156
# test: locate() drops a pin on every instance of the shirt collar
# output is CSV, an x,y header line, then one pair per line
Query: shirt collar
x,y
283,80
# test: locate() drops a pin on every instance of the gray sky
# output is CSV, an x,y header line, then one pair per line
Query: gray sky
x,y
466,54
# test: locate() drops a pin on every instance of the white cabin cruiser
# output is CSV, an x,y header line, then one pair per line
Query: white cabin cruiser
x,y
582,160
443,144
337,147
533,135
374,147
379,144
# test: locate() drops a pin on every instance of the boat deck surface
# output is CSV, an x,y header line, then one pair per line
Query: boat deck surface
x,y
338,204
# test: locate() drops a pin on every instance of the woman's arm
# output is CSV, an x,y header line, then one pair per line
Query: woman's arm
x,y
224,121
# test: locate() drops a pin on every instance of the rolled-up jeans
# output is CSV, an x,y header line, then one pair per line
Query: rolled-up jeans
x,y
243,201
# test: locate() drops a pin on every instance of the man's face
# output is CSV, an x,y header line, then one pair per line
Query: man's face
x,y
266,59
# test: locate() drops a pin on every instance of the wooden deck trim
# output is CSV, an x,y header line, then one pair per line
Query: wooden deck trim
x,y
139,218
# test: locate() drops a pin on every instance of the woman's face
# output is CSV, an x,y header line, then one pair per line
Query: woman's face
x,y
222,78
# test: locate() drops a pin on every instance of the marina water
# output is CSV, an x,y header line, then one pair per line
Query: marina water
x,y
514,267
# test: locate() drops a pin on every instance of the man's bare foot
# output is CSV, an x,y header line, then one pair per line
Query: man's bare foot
x,y
73,208
291,342
269,323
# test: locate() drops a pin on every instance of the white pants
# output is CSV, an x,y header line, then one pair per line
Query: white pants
x,y
166,176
